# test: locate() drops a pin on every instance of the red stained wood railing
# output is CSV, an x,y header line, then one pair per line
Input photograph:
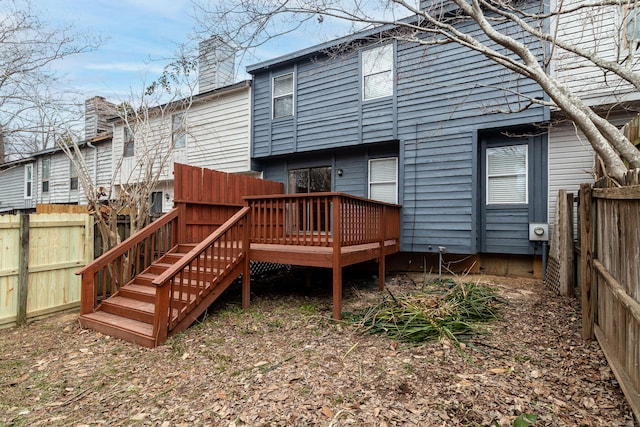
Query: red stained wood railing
x,y
310,219
185,284
115,268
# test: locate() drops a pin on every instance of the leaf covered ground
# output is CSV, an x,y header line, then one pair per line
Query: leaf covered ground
x,y
283,362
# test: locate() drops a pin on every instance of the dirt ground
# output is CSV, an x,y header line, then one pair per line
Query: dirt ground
x,y
283,362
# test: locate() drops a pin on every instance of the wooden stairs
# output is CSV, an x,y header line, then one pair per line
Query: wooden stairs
x,y
129,313
176,285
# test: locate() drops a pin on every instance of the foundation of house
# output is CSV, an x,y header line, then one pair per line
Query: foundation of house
x,y
498,264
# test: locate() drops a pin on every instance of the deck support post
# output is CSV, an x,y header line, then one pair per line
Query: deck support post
x,y
336,261
381,269
337,292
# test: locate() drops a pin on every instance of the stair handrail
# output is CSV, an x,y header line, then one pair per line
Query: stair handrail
x,y
161,321
196,251
88,288
134,239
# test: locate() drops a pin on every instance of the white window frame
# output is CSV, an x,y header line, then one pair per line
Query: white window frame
x,y
377,51
46,178
274,97
128,139
373,183
73,173
526,175
631,12
28,181
178,131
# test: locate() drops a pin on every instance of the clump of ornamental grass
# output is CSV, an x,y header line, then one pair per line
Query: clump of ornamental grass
x,y
443,309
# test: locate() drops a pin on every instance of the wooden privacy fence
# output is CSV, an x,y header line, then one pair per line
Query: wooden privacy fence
x,y
39,254
610,276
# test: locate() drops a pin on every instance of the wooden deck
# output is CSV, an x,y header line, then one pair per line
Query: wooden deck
x,y
169,273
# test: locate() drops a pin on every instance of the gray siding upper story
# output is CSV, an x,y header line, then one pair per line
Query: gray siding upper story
x,y
444,97
12,186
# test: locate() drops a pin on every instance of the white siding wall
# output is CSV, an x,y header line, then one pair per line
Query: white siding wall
x,y
59,177
12,188
218,132
59,174
571,163
601,31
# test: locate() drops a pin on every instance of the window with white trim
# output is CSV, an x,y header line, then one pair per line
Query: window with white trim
x,y
283,96
179,133
507,175
73,175
377,72
46,173
129,142
632,27
383,179
28,181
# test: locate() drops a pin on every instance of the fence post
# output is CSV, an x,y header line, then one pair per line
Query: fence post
x,y
586,262
23,270
246,272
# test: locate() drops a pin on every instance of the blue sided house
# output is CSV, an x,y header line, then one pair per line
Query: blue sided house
x,y
438,129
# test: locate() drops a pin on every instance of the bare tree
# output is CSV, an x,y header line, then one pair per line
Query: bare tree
x,y
571,33
30,93
147,129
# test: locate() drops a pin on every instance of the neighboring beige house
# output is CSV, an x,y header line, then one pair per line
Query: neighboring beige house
x,y
214,132
612,34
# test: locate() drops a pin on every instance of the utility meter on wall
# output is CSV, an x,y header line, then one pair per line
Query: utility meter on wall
x,y
539,232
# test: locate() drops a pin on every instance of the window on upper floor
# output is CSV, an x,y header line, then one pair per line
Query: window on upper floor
x,y
46,172
383,179
73,175
178,131
28,181
507,174
377,72
632,27
129,143
283,96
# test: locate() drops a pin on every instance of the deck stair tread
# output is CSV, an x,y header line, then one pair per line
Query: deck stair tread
x,y
119,322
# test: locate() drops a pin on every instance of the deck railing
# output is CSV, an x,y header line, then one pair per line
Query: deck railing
x,y
185,284
115,268
312,219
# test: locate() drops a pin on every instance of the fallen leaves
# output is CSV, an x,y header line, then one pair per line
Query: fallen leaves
x,y
278,365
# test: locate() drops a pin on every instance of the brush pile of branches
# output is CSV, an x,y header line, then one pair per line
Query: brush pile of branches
x,y
440,310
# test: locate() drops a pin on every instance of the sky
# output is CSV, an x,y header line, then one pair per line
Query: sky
x,y
138,38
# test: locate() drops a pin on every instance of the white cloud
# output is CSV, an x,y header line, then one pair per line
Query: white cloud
x,y
125,67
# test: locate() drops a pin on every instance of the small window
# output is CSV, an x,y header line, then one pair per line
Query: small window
x,y
73,176
46,172
507,175
128,142
28,181
156,203
179,134
632,27
283,96
383,180
377,72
